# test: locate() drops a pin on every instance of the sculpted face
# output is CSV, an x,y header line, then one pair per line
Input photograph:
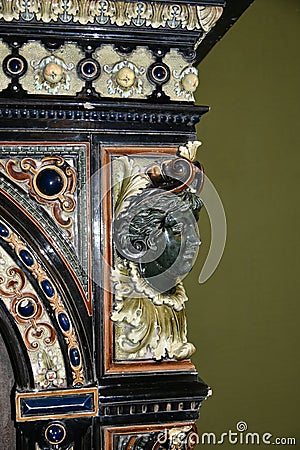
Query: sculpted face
x,y
161,235
179,248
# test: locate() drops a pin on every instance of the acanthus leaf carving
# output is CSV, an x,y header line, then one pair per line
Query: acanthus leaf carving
x,y
150,222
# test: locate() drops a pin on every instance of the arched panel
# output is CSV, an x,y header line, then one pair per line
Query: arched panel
x,y
52,309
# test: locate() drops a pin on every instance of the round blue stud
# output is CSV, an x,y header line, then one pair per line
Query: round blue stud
x,y
26,308
15,65
49,182
89,69
159,73
26,257
55,433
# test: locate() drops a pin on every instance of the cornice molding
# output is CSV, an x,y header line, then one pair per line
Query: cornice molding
x,y
113,12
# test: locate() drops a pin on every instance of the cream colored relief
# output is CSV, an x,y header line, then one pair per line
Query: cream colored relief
x,y
209,16
148,324
52,72
34,324
4,80
184,77
134,13
46,10
123,75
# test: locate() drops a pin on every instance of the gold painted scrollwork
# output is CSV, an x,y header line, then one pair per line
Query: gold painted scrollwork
x,y
38,330
14,284
27,309
58,195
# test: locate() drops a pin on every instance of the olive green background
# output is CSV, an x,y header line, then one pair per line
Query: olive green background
x,y
244,320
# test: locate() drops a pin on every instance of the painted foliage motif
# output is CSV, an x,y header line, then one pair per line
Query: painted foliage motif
x,y
156,207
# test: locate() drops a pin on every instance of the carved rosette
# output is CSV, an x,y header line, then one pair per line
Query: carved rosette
x,y
124,76
51,182
51,72
184,80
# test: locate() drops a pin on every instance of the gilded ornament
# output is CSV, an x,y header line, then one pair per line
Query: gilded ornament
x,y
184,78
4,52
189,150
209,16
190,82
32,320
41,331
53,72
50,373
187,82
125,77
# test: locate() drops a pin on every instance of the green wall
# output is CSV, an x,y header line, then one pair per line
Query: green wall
x,y
244,320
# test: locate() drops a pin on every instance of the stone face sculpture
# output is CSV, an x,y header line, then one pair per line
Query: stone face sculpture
x,y
156,237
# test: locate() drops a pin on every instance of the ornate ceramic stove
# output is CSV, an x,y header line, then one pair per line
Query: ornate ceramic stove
x,y
99,205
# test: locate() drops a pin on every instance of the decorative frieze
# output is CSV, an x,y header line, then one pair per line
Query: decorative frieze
x,y
105,72
138,14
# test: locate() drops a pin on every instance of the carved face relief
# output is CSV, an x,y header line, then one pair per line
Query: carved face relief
x,y
181,242
162,237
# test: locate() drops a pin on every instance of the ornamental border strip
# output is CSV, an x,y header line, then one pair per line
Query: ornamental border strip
x,y
101,116
114,12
